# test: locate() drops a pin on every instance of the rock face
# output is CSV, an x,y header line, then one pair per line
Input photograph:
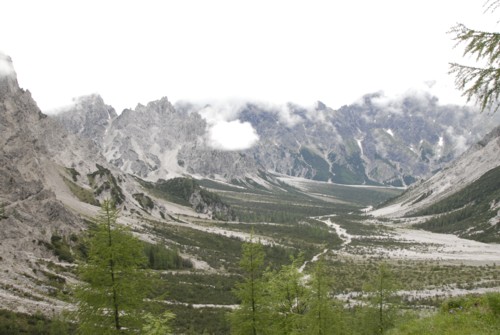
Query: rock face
x,y
375,141
38,160
89,118
31,211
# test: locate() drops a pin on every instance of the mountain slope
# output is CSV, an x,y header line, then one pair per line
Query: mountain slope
x,y
462,199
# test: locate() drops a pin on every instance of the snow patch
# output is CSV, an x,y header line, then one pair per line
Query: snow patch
x,y
441,141
360,145
389,131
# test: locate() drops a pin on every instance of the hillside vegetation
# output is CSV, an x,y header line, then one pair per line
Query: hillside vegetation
x,y
470,212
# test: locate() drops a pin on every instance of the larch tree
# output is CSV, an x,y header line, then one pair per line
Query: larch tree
x,y
481,83
382,287
112,297
287,296
323,317
250,317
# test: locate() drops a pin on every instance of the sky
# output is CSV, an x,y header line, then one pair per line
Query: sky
x,y
275,51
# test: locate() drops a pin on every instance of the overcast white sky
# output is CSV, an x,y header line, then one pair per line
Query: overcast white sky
x,y
274,51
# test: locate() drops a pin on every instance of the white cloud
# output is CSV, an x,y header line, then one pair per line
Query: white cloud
x,y
6,67
229,110
459,141
393,101
225,131
232,135
215,111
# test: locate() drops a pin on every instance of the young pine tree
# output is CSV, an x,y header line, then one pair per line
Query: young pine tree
x,y
323,316
287,296
380,316
250,317
111,300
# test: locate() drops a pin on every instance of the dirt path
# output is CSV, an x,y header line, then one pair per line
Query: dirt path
x,y
341,232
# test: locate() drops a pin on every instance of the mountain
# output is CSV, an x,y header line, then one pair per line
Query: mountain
x,y
376,141
51,183
32,214
155,141
463,198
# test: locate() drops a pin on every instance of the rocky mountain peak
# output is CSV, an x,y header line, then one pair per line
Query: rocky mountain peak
x,y
320,106
154,113
89,117
18,110
8,77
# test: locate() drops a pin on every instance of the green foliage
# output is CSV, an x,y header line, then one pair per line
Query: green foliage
x,y
62,248
464,315
422,197
218,251
180,190
287,299
251,316
284,204
311,235
81,193
195,321
107,182
323,317
382,313
158,325
480,83
198,287
161,258
483,190
12,323
111,300
467,212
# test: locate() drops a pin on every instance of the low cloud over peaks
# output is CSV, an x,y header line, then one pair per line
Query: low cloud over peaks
x,y
232,135
225,131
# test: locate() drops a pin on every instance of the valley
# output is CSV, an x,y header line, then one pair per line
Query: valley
x,y
349,195
429,267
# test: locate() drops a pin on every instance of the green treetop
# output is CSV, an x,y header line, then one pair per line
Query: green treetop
x,y
116,284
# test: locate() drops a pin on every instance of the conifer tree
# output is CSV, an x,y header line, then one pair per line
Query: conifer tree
x,y
250,317
287,294
111,300
382,288
481,83
323,318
